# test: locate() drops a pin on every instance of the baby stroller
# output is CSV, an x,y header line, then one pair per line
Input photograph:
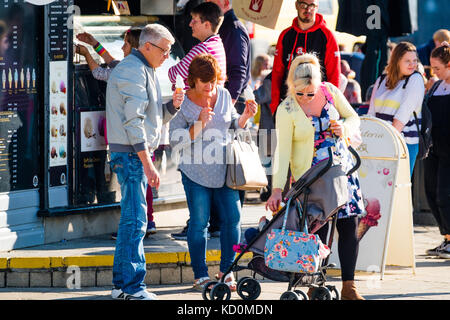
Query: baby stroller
x,y
320,193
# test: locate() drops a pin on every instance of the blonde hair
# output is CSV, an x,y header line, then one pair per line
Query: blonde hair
x,y
304,71
441,35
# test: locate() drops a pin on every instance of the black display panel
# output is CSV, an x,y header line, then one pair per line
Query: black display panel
x,y
94,182
59,91
19,90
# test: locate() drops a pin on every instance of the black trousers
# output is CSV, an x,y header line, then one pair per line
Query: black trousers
x,y
437,188
347,245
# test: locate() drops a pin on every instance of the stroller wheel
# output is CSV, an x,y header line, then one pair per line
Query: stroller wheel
x,y
321,293
220,292
248,288
334,292
207,289
301,294
289,295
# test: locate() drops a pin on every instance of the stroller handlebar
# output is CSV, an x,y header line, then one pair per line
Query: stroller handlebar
x,y
358,160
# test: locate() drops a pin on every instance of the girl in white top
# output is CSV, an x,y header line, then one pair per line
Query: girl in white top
x,y
395,102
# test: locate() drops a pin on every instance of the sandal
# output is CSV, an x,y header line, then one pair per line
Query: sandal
x,y
199,284
229,281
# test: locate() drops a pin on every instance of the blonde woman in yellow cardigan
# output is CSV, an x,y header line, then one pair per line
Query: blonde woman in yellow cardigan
x,y
305,132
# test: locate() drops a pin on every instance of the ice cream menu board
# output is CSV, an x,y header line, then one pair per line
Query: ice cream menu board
x,y
58,113
19,101
58,35
58,32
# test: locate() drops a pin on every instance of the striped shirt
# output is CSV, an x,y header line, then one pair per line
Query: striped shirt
x,y
399,103
212,45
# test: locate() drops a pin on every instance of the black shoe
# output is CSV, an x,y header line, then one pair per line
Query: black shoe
x,y
265,194
181,235
213,232
114,236
436,251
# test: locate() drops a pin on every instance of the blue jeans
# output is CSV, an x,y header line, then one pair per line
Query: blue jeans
x,y
199,200
129,267
413,150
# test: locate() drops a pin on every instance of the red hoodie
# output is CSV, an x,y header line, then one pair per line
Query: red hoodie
x,y
292,42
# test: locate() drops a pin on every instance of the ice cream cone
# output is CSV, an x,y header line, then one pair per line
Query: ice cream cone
x,y
28,77
373,209
10,78
16,78
362,229
179,84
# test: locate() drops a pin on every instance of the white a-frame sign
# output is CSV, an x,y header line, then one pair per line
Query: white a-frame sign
x,y
386,232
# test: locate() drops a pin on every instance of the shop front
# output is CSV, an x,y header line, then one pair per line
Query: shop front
x,y
55,181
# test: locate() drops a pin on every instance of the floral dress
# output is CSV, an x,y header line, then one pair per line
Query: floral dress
x,y
323,139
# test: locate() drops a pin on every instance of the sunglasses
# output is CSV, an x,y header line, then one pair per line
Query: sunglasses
x,y
310,95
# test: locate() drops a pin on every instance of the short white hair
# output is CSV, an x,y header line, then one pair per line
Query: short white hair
x,y
153,33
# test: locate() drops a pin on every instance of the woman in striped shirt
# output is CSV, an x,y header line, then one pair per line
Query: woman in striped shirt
x,y
398,93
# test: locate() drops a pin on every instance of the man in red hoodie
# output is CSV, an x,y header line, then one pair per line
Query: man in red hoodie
x,y
308,33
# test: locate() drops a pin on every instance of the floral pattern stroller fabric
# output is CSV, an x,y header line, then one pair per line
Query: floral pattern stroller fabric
x,y
294,251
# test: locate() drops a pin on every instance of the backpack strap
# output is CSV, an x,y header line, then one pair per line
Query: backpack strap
x,y
407,78
433,88
428,95
416,120
430,92
383,75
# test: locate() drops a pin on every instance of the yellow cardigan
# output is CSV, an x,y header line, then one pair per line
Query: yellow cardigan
x,y
295,135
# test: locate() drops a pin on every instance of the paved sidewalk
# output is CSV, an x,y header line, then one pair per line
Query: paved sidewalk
x,y
431,281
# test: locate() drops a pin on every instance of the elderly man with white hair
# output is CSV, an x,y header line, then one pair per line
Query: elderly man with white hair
x,y
135,115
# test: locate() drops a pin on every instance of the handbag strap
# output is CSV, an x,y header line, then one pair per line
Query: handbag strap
x,y
327,93
286,213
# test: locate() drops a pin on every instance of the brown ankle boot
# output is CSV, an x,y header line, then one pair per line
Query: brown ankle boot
x,y
310,292
349,291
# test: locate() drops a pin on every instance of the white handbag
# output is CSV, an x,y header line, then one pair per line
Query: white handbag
x,y
244,168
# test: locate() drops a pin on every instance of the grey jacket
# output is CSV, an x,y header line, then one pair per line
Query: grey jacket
x,y
134,109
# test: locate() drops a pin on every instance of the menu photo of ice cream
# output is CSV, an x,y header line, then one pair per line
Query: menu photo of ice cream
x,y
92,131
19,79
58,112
